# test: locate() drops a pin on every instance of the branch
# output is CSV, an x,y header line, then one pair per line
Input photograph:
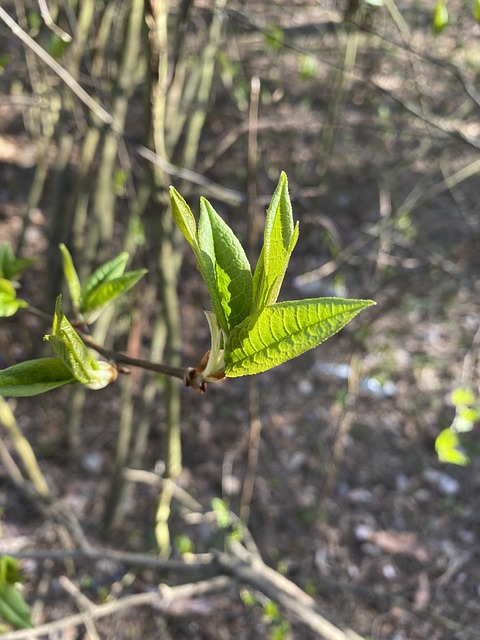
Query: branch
x,y
202,561
191,376
121,358
57,68
161,599
216,190
251,570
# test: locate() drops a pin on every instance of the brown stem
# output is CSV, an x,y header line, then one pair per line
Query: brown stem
x,y
121,358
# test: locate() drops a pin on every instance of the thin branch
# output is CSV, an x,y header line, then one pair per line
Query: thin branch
x,y
251,570
115,356
215,190
200,561
57,68
83,603
99,611
47,18
161,600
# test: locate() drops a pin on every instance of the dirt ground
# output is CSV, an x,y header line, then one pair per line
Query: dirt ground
x,y
349,500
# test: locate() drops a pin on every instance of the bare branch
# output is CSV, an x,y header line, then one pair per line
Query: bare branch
x,y
253,571
57,68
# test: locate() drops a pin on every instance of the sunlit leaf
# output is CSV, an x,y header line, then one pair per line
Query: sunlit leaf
x,y
71,277
105,272
32,377
106,291
462,396
285,330
185,220
9,303
72,351
280,238
465,419
229,279
447,446
440,16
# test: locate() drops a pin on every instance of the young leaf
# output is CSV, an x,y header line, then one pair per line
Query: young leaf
x,y
227,270
279,241
105,272
9,303
106,291
447,446
11,266
32,377
71,276
462,396
185,221
13,607
75,355
284,330
440,16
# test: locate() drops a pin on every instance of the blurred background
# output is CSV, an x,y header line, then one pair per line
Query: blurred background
x,y
372,110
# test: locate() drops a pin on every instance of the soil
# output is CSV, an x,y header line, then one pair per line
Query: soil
x,y
349,500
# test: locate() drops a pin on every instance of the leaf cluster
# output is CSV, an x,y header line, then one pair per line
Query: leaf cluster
x,y
74,363
251,332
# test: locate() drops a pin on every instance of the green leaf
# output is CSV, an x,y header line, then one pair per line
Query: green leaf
x,y
107,291
72,351
9,570
9,303
71,276
440,16
227,270
280,239
105,272
185,220
32,377
13,607
11,266
285,330
462,396
447,446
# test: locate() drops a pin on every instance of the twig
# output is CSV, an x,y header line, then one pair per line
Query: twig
x,y
115,356
240,563
23,449
154,480
215,190
47,18
161,600
83,603
99,611
201,561
57,68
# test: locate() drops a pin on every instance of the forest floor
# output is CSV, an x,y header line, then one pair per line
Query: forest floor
x,y
349,499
